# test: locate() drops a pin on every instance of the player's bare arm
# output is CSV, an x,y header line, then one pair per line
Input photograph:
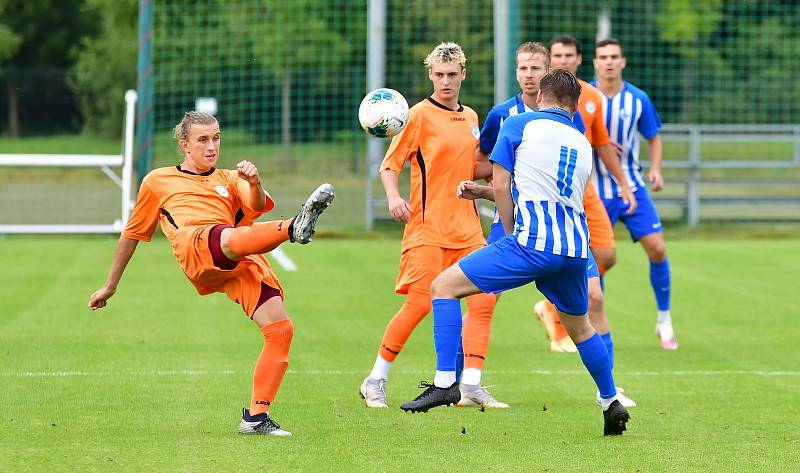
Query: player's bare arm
x,y
501,182
125,249
654,175
471,190
398,206
610,158
249,172
483,168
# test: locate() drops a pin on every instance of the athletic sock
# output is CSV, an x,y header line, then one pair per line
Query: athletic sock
x,y
380,370
471,376
660,280
446,335
609,347
664,317
477,328
415,308
460,360
595,357
271,364
259,238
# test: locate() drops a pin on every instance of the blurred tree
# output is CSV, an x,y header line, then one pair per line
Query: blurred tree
x,y
9,44
45,31
105,65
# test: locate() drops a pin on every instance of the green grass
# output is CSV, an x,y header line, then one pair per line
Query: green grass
x,y
155,381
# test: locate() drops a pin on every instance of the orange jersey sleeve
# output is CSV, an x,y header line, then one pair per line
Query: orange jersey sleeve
x,y
590,106
441,147
144,217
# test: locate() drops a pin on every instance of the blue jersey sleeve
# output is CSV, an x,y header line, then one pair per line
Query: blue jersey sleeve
x,y
490,130
649,122
578,121
504,152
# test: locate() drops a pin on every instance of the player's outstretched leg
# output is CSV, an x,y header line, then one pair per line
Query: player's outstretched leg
x,y
616,416
260,424
306,219
432,397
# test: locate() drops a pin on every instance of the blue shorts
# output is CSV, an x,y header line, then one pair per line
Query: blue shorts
x,y
592,271
496,232
642,222
505,264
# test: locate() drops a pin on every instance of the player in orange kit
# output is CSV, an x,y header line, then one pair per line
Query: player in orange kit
x,y
439,141
208,215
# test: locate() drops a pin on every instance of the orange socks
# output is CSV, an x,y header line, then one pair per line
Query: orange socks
x,y
477,327
560,331
259,238
271,364
416,307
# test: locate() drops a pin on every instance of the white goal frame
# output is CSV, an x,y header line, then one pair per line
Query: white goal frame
x,y
105,162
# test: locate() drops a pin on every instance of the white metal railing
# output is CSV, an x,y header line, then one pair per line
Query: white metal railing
x,y
105,162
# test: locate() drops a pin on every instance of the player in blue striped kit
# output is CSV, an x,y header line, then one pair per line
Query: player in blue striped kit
x,y
629,113
541,164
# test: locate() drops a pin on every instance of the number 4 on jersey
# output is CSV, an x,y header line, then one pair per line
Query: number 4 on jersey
x,y
566,168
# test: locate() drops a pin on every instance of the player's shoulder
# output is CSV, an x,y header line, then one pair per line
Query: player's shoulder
x,y
469,111
159,174
590,92
502,109
636,91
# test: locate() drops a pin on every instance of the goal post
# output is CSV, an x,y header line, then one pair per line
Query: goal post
x,y
117,167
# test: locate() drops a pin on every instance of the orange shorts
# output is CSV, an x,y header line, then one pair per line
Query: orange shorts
x,y
601,232
421,264
242,284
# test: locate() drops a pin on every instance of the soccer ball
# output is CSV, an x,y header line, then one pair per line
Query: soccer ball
x,y
383,113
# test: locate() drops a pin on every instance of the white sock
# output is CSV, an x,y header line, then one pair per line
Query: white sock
x,y
471,376
380,370
605,403
444,379
664,317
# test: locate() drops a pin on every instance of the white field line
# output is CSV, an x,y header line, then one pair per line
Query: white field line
x,y
283,259
189,373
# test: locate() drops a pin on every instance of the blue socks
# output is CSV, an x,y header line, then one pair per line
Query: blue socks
x,y
446,332
609,347
595,357
659,279
459,360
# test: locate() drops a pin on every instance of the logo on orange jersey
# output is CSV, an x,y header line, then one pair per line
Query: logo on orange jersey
x,y
222,190
590,107
458,119
476,132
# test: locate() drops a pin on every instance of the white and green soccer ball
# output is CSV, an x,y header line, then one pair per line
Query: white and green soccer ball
x,y
383,113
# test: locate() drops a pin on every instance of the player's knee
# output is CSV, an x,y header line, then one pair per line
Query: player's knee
x,y
596,300
418,302
440,289
657,252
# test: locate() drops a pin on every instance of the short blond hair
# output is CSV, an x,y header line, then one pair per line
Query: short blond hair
x,y
534,48
444,53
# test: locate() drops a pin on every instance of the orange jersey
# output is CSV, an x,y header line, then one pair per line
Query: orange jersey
x,y
590,106
188,205
440,143
181,199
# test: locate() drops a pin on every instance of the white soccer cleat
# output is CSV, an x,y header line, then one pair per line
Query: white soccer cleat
x,y
623,399
305,221
666,336
373,392
475,395
260,424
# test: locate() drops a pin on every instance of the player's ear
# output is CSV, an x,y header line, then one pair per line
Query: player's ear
x,y
624,62
580,59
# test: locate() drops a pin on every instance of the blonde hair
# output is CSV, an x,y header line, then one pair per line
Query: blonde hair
x,y
181,131
444,53
534,48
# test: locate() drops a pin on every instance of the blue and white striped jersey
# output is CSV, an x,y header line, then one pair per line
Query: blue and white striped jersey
x,y
498,113
627,112
550,161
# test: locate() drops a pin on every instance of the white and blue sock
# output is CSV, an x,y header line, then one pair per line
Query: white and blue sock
x,y
660,280
594,355
446,338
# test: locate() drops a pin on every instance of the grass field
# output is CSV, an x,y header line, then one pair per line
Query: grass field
x,y
156,381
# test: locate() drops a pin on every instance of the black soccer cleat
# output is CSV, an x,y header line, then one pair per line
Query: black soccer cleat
x,y
433,397
615,418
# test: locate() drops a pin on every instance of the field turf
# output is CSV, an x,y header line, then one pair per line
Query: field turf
x,y
156,381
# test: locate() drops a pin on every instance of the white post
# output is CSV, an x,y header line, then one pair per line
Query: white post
x,y
127,155
693,184
376,75
501,59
